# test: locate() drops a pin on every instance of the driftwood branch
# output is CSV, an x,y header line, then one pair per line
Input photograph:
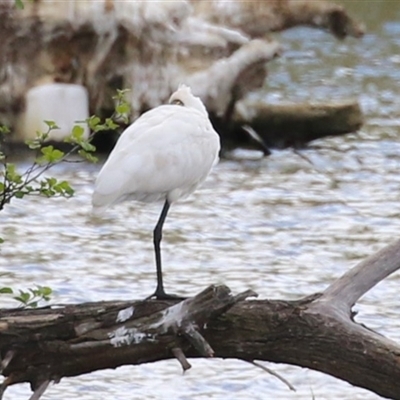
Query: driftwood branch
x,y
318,332
359,280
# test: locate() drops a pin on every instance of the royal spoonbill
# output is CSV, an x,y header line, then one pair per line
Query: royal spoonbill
x,y
164,155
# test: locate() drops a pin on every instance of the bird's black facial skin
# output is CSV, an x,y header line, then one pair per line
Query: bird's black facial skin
x,y
177,102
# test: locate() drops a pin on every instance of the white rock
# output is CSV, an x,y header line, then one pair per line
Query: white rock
x,y
65,104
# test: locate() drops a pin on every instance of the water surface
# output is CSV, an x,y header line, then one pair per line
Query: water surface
x,y
277,225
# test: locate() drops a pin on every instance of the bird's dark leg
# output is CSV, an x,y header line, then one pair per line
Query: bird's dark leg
x,y
157,236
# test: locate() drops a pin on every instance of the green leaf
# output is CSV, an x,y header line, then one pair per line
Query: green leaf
x,y
1,240
45,291
87,156
52,125
77,138
19,4
77,132
31,297
19,194
123,108
51,181
121,94
4,129
92,122
11,174
47,192
96,126
24,297
33,144
50,155
87,146
50,187
41,137
65,189
110,124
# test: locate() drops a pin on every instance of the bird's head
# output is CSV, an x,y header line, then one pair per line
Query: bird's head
x,y
184,97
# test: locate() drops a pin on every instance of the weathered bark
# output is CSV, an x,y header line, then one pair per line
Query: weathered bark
x,y
318,332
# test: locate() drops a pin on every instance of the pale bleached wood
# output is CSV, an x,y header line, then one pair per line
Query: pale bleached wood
x,y
347,290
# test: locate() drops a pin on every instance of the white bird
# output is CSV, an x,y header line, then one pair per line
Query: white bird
x,y
164,155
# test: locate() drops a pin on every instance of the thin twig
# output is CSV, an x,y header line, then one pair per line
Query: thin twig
x,y
73,161
305,158
180,356
198,341
257,138
6,360
270,371
37,394
29,171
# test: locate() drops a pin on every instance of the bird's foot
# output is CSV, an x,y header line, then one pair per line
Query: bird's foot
x,y
160,294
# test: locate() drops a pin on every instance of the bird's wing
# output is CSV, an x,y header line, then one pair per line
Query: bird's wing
x,y
143,124
157,154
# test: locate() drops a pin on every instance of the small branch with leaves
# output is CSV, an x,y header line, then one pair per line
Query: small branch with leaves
x,y
31,297
15,184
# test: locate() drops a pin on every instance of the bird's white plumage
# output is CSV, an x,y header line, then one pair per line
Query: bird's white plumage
x,y
164,154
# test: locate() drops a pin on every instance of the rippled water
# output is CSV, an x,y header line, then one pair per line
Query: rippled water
x,y
277,225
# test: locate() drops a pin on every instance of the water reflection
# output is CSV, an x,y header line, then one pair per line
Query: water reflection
x,y
279,225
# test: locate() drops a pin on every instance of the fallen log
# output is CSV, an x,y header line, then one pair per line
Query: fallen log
x,y
318,332
293,124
